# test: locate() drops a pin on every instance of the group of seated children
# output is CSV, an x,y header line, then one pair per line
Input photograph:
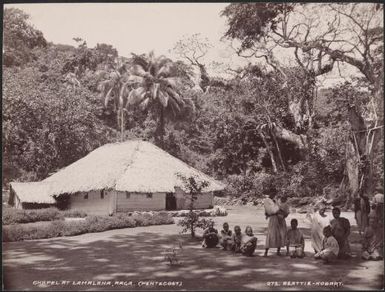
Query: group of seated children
x,y
246,242
238,242
295,244
331,248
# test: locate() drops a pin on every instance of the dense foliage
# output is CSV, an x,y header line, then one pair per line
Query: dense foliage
x,y
271,128
20,38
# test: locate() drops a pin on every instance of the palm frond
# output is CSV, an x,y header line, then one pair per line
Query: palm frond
x,y
155,90
173,82
102,85
144,104
163,98
108,97
123,94
151,57
175,95
165,71
174,107
136,96
138,70
115,75
140,60
134,79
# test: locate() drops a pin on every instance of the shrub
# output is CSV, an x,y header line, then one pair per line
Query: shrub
x,y
192,221
74,228
216,211
18,232
247,187
74,214
219,211
13,233
14,216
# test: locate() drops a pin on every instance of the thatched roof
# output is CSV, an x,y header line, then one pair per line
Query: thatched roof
x,y
33,192
134,166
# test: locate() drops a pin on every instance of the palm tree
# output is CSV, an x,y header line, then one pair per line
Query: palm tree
x,y
155,83
111,92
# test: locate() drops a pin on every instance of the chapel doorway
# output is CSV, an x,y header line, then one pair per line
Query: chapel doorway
x,y
170,201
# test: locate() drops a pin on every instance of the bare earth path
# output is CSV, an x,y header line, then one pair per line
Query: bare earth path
x,y
118,257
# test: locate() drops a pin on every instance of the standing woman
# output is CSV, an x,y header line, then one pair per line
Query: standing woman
x,y
357,213
319,220
283,212
274,237
361,212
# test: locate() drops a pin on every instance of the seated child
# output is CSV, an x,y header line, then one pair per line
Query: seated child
x,y
236,240
330,248
210,236
295,241
248,242
371,242
225,240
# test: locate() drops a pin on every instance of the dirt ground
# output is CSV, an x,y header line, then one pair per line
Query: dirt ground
x,y
132,258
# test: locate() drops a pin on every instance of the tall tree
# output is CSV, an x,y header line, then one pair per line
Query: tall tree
x,y
113,90
194,49
320,37
157,85
19,38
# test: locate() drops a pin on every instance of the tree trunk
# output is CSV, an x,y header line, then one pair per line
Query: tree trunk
x,y
122,125
361,150
352,167
160,129
295,108
273,164
192,230
278,150
119,122
205,79
299,140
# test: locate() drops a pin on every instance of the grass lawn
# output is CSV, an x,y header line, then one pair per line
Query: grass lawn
x,y
135,254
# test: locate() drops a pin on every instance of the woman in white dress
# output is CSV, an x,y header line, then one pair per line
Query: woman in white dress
x,y
274,237
319,220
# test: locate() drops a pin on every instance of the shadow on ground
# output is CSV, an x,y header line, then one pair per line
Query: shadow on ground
x,y
124,257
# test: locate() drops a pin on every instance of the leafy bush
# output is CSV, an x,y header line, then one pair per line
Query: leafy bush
x,y
74,214
57,228
194,188
15,216
192,221
249,185
219,211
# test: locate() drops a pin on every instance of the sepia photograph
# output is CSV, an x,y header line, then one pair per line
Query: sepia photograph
x,y
193,146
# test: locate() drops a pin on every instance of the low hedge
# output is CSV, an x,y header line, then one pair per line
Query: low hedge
x,y
58,228
16,216
214,212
